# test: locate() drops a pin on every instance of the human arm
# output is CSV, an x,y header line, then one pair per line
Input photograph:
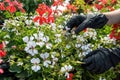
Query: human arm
x,y
92,20
113,17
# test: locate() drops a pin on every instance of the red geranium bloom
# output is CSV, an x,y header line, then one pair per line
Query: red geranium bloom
x,y
70,76
2,53
7,1
72,7
1,46
103,1
113,1
11,7
18,5
50,19
114,33
45,14
40,19
2,7
99,6
58,2
110,8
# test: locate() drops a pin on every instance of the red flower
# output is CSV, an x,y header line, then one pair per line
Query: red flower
x,y
99,6
113,1
110,8
11,7
40,19
18,5
1,71
2,53
115,34
1,46
103,1
70,76
50,19
7,1
72,7
2,7
58,2
45,14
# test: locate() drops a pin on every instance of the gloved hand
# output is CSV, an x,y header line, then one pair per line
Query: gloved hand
x,y
74,21
86,21
101,60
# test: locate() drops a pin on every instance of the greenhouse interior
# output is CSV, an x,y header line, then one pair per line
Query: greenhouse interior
x,y
59,39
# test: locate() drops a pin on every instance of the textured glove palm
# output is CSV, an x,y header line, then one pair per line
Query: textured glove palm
x,y
100,60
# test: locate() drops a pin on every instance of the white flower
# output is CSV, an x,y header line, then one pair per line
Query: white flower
x,y
46,63
26,39
58,40
28,22
36,23
20,64
80,39
35,60
54,59
44,57
53,26
35,66
40,43
77,45
100,78
66,68
45,39
30,48
6,36
68,46
108,40
48,45
39,38
57,35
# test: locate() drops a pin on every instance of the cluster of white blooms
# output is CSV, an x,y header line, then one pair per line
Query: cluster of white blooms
x,y
108,40
66,70
91,33
40,40
37,39
30,47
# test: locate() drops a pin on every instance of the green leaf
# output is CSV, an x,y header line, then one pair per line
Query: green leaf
x,y
15,68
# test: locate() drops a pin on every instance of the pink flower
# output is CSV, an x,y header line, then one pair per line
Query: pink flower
x,y
1,71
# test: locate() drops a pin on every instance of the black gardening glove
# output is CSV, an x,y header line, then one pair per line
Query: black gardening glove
x,y
95,21
101,60
74,21
1,22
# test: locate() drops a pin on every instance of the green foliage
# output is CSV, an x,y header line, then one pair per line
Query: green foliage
x,y
31,5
